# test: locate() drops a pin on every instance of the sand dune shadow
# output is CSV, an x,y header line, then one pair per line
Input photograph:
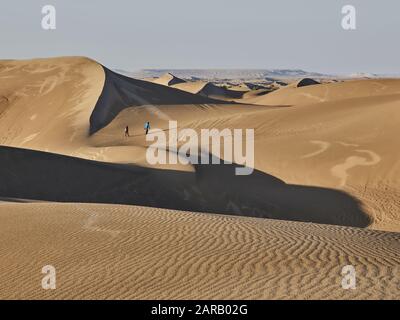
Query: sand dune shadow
x,y
120,92
263,195
28,174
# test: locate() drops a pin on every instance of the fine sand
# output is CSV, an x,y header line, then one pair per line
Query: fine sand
x,y
129,252
326,173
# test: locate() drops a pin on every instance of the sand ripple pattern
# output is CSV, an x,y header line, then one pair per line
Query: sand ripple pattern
x,y
129,252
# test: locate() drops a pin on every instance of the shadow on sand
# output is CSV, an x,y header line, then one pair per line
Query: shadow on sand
x,y
120,92
28,174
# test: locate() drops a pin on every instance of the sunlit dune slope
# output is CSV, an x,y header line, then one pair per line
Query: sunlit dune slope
x,y
325,92
45,104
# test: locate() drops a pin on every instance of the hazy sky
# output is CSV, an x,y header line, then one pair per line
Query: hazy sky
x,y
131,35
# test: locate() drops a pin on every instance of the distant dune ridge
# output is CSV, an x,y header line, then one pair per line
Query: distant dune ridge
x,y
168,79
325,154
306,82
334,91
212,74
200,87
210,90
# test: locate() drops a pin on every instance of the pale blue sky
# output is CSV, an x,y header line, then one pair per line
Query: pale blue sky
x,y
131,35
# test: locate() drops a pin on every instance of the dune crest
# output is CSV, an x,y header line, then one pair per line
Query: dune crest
x,y
168,79
306,82
120,92
210,90
334,91
46,103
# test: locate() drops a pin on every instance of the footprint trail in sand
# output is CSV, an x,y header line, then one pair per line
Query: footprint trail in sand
x,y
323,147
341,170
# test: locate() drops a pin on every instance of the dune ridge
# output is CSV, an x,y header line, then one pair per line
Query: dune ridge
x,y
120,92
168,79
210,90
325,92
47,102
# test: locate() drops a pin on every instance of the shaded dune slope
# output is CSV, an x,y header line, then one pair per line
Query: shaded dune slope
x,y
306,82
211,90
120,92
210,188
168,79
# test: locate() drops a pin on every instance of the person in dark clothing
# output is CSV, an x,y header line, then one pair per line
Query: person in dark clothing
x,y
126,131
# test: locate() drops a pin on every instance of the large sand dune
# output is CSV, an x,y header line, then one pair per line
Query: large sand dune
x,y
120,92
46,103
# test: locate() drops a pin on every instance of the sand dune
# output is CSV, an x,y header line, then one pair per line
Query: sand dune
x,y
293,95
305,82
242,87
191,86
255,93
210,90
120,92
46,103
168,79
128,252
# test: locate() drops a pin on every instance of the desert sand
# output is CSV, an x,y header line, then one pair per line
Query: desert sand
x,y
130,252
324,193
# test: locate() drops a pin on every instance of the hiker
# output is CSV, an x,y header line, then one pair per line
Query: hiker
x,y
147,127
126,131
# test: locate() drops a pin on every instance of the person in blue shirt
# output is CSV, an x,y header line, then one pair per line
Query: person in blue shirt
x,y
147,127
